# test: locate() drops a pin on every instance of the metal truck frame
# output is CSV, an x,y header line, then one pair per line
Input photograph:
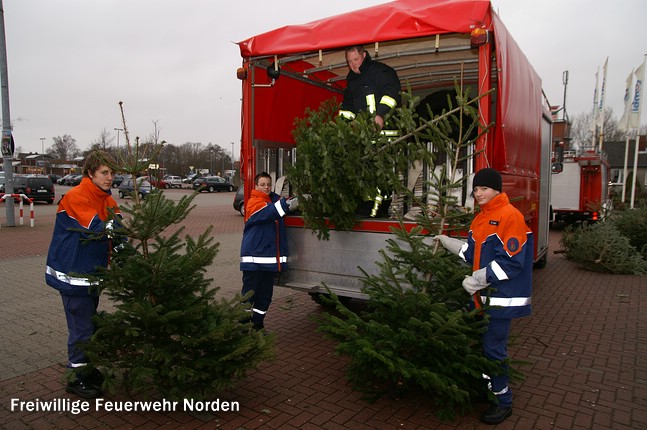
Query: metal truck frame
x,y
430,44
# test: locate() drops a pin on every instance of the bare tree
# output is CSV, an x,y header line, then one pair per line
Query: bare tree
x,y
103,141
582,135
65,147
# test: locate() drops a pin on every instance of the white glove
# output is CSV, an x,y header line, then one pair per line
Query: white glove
x,y
471,285
293,203
109,226
481,276
449,243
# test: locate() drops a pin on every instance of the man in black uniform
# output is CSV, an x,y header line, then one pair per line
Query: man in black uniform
x,y
371,86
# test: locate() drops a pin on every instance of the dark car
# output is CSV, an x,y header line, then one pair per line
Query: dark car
x,y
54,177
75,180
71,180
190,178
212,183
61,181
239,200
36,187
126,188
117,180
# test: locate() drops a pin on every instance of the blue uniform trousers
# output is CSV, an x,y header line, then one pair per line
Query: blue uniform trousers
x,y
262,284
79,311
495,347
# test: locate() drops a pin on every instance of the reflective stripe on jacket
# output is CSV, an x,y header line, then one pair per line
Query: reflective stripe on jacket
x,y
500,240
264,245
78,244
376,90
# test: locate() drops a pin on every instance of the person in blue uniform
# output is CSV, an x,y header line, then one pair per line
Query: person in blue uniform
x,y
500,249
264,248
81,242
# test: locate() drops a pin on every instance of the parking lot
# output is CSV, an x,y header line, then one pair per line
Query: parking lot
x,y
585,345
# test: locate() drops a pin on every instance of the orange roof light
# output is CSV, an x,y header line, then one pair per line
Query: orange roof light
x,y
479,36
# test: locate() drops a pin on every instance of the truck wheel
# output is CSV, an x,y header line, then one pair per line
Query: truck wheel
x,y
318,298
541,263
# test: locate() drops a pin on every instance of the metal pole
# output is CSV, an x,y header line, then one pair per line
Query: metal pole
x,y
42,154
118,130
118,153
6,120
232,157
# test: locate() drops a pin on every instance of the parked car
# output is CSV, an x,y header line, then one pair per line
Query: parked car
x,y
75,180
54,177
212,183
36,187
190,178
71,180
1,184
157,183
63,180
173,181
239,200
117,180
126,188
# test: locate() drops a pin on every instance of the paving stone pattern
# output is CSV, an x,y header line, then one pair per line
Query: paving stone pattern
x,y
585,345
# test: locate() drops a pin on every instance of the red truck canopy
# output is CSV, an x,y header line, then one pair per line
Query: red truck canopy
x,y
390,21
305,52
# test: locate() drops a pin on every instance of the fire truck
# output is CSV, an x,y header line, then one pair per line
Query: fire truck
x,y
580,187
579,181
430,44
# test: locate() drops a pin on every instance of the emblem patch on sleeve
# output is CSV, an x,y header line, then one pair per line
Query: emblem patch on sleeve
x,y
513,244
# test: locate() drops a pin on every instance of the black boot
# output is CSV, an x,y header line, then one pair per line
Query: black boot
x,y
95,377
83,389
496,414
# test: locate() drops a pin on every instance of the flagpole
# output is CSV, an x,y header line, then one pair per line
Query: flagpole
x,y
637,97
634,175
601,108
624,172
594,115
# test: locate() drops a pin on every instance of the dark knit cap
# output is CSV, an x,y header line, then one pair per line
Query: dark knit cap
x,y
487,177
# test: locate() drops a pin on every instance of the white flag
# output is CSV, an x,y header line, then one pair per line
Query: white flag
x,y
602,92
622,123
594,113
634,112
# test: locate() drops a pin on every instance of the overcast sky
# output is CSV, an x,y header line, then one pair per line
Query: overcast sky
x,y
174,62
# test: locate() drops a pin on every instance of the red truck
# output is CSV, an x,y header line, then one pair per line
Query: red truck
x,y
580,187
429,44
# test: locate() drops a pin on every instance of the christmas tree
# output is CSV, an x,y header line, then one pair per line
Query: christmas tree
x,y
416,331
169,334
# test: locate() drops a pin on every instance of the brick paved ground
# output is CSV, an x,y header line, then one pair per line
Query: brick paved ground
x,y
585,343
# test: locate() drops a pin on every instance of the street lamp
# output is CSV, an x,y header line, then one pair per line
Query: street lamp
x,y
118,130
232,157
42,152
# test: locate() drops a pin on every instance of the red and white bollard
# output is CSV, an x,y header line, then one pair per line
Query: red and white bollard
x,y
21,206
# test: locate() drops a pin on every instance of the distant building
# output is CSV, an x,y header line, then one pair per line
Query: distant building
x,y
43,164
616,156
